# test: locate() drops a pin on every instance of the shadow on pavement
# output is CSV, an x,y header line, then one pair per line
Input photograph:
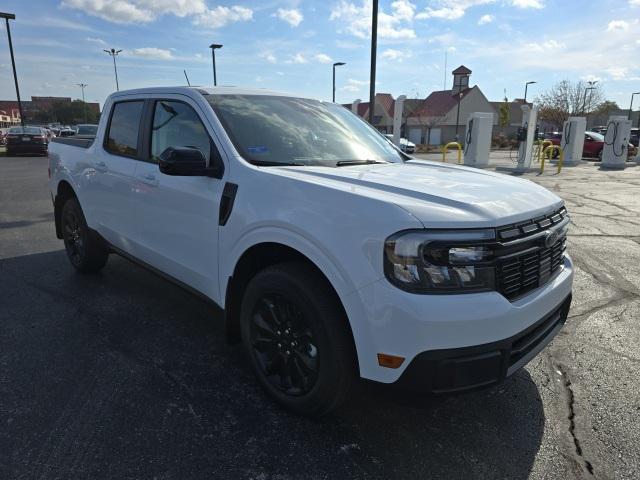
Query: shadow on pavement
x,y
123,375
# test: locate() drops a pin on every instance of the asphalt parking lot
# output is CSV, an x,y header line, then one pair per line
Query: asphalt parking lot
x,y
124,375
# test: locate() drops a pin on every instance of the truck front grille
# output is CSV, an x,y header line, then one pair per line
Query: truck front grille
x,y
521,273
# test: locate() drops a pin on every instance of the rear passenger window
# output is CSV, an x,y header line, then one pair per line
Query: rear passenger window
x,y
176,124
122,138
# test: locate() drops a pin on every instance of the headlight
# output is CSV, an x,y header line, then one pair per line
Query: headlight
x,y
423,261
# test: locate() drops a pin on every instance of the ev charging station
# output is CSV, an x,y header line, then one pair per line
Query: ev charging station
x,y
526,135
616,143
397,119
572,142
478,139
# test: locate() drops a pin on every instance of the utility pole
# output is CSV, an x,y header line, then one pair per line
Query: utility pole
x,y
84,104
213,48
590,87
458,112
337,64
114,53
7,17
374,45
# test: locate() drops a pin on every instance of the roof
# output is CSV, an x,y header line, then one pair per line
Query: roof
x,y
462,70
439,103
386,101
228,90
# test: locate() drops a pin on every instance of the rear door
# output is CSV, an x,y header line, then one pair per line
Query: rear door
x,y
112,182
177,216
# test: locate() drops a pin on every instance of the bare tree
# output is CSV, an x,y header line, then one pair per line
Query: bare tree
x,y
568,98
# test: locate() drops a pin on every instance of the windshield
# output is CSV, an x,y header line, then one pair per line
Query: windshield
x,y
275,130
27,130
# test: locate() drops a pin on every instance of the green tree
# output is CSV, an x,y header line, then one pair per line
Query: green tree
x,y
504,113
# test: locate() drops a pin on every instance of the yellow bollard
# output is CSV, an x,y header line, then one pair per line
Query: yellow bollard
x,y
542,146
548,151
446,148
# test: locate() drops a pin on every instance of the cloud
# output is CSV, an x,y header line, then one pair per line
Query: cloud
x,y
484,19
354,85
221,16
528,3
152,53
269,57
450,9
322,58
357,19
395,55
618,73
297,58
99,41
546,46
293,16
146,11
634,3
618,25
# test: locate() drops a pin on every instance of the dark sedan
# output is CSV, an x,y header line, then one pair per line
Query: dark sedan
x,y
31,140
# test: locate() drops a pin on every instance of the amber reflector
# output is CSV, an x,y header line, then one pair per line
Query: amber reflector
x,y
389,361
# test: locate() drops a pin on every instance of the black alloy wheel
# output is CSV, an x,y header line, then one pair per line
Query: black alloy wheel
x,y
283,345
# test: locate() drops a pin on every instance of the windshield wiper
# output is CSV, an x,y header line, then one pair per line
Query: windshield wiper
x,y
267,163
344,163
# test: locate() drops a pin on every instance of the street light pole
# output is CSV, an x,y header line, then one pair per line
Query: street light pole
x,y
213,48
337,64
114,53
526,86
374,45
84,104
590,87
7,17
631,106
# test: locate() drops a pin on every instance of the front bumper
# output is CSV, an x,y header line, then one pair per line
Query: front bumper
x,y
461,369
385,319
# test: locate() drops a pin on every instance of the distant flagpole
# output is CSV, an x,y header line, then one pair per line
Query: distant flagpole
x,y
444,83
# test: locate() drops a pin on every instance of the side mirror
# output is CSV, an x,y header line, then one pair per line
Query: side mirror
x,y
185,162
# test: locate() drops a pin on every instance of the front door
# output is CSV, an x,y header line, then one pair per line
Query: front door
x,y
178,216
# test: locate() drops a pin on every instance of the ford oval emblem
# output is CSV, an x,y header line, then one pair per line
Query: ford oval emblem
x,y
551,238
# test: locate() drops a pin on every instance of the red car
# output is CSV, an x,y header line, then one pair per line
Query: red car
x,y
593,144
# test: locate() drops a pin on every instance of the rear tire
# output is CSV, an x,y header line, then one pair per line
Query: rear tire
x,y
85,249
297,340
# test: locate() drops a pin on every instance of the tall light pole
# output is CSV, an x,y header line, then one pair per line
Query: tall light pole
x,y
84,105
374,46
526,86
7,17
114,53
590,87
213,48
337,64
631,106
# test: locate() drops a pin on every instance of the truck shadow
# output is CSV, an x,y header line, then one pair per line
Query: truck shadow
x,y
121,374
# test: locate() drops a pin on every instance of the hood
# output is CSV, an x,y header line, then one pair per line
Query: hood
x,y
437,194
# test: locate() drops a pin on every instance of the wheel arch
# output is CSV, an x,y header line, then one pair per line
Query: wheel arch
x,y
64,191
254,259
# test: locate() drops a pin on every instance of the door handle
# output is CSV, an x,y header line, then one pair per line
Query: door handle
x,y
101,167
149,179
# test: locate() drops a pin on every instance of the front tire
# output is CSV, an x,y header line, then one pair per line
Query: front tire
x,y
84,248
296,337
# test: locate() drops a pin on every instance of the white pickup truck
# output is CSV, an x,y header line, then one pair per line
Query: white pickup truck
x,y
333,254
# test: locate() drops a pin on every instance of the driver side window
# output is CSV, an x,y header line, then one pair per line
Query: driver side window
x,y
176,124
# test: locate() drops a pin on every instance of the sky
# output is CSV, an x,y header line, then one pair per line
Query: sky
x,y
290,45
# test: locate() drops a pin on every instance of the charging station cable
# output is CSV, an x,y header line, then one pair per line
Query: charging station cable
x,y
612,144
467,140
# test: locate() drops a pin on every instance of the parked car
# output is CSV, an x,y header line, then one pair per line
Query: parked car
x,y
333,254
32,140
66,132
635,137
86,130
593,145
405,145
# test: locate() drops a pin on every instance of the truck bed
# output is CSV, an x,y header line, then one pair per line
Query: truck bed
x,y
83,142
